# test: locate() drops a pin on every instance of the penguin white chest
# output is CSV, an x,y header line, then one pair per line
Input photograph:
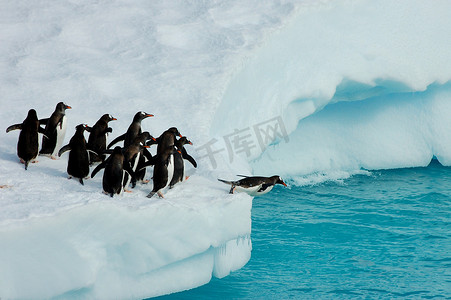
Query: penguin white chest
x,y
60,134
170,169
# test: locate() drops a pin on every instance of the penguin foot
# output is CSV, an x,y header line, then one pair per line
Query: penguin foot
x,y
232,189
186,177
53,157
160,194
128,191
22,161
5,186
145,181
34,161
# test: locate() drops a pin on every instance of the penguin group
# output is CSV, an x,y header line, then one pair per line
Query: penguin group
x,y
123,166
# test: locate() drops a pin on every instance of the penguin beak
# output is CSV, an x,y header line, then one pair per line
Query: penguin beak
x,y
179,151
154,139
113,119
145,146
189,142
284,183
180,135
68,107
149,115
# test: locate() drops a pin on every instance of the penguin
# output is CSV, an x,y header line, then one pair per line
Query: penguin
x,y
28,144
134,156
55,130
167,139
161,172
97,138
254,185
179,164
133,130
78,163
113,176
143,156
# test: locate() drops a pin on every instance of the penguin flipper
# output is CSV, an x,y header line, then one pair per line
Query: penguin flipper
x,y
98,168
145,165
44,121
89,156
242,176
264,187
225,181
108,130
14,127
64,149
189,158
116,140
42,130
147,154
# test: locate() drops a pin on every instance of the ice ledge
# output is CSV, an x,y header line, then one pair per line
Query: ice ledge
x,y
103,250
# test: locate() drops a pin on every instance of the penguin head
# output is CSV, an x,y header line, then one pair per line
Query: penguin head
x,y
61,106
279,180
183,141
117,150
81,127
32,115
141,115
175,131
107,118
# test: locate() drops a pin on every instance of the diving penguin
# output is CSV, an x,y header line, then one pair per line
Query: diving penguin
x,y
27,146
55,130
97,138
254,185
78,163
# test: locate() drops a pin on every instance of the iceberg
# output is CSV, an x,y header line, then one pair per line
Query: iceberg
x,y
310,90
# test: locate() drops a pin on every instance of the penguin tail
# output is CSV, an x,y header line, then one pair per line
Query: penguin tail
x,y
150,195
26,164
242,176
81,181
225,181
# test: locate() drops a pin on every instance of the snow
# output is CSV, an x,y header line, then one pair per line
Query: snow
x,y
357,85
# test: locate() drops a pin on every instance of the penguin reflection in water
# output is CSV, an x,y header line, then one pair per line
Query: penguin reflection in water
x,y
27,146
113,176
78,164
55,131
254,185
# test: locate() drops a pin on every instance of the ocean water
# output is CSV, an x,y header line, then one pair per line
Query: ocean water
x,y
384,235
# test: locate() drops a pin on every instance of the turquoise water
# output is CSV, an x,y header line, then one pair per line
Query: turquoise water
x,y
380,236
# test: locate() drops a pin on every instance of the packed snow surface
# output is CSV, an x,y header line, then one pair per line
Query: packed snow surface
x,y
310,90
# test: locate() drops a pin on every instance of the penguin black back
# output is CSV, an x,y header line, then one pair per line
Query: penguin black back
x,y
113,175
97,137
27,145
78,163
